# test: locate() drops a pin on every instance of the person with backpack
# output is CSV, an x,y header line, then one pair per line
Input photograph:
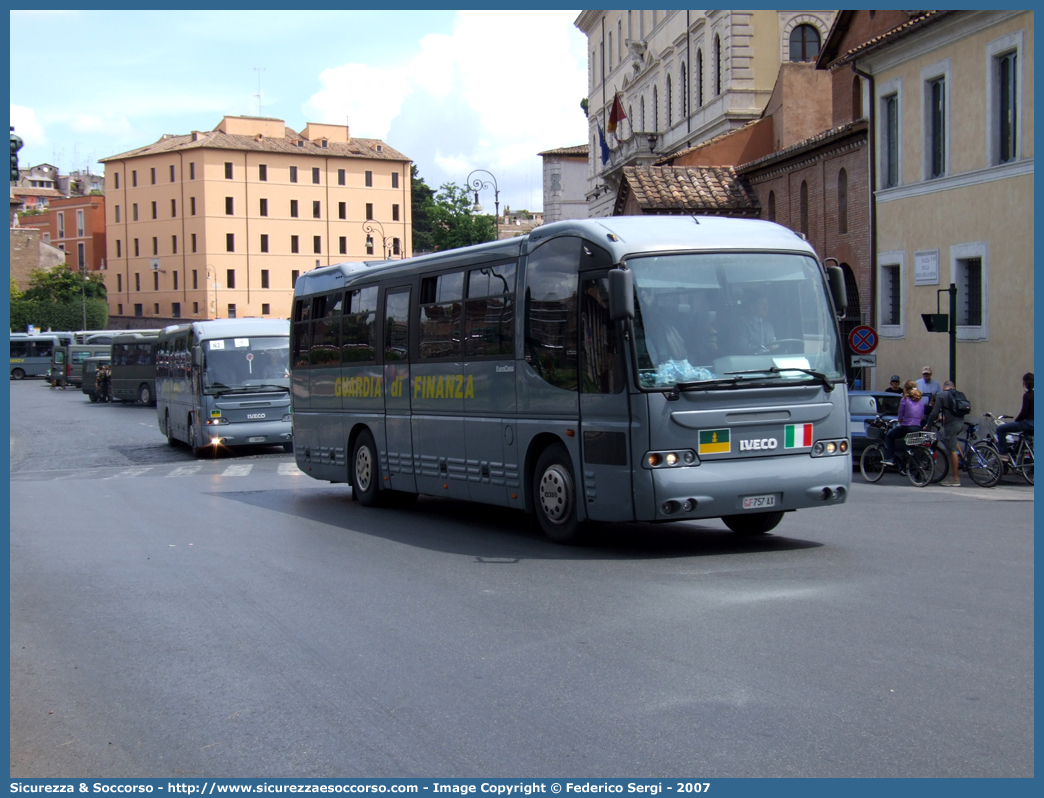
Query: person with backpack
x,y
1023,422
951,406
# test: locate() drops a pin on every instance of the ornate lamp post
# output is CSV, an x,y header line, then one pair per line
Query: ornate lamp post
x,y
480,184
373,226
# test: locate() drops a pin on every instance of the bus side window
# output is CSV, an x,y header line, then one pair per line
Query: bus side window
x,y
396,325
550,311
20,348
602,365
326,330
359,328
440,311
489,312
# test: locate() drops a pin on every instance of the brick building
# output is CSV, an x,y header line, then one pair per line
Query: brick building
x,y
76,225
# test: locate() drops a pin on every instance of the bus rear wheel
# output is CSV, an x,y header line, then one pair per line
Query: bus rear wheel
x,y
144,394
171,441
753,524
365,470
18,374
554,497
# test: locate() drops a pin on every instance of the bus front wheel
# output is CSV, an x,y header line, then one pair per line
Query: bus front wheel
x,y
18,374
554,498
196,450
753,524
365,470
145,394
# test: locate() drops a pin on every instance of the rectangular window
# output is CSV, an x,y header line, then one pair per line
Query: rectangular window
x,y
174,245
315,174
342,210
971,275
134,178
369,179
139,309
369,210
936,118
79,224
340,177
293,208
230,278
395,213
192,205
192,171
228,170
119,248
119,282
262,172
890,148
231,311
891,294
264,207
293,174
117,214
395,179
1006,107
317,209
155,245
134,216
155,211
152,175
265,309
193,242
229,211
264,276
116,176
195,308
293,244
172,179
342,245
155,308
175,276
155,281
396,249
441,298
195,279
61,225
81,255
359,326
264,243
317,244
173,209
137,281
137,249
230,242
175,310
293,277
369,244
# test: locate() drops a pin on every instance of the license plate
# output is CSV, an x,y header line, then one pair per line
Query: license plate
x,y
756,502
256,439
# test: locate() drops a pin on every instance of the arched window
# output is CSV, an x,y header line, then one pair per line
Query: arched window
x,y
699,78
857,97
684,91
842,201
772,206
630,118
804,207
804,43
717,65
610,51
668,97
655,111
641,106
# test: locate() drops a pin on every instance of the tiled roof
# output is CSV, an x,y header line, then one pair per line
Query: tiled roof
x,y
29,191
698,189
580,149
219,140
810,143
919,21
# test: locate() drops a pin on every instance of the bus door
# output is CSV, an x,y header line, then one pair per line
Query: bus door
x,y
438,389
604,475
397,454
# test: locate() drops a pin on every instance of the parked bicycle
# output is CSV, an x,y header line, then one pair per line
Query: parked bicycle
x,y
980,459
913,455
1020,447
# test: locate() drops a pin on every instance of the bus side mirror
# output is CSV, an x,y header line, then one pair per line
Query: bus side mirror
x,y
621,294
836,278
197,356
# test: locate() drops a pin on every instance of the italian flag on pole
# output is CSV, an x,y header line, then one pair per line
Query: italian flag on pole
x,y
798,436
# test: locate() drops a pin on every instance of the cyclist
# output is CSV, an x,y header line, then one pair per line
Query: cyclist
x,y
910,418
1023,422
952,424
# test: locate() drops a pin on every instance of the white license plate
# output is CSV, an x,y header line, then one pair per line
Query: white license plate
x,y
756,502
256,439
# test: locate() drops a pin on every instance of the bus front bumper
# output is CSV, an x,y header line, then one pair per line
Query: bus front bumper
x,y
252,434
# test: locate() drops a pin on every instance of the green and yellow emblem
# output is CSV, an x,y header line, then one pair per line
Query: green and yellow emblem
x,y
715,441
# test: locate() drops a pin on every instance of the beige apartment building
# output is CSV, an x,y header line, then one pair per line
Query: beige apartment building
x,y
219,224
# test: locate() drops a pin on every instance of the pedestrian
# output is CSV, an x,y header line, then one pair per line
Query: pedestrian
x,y
910,417
894,386
952,424
928,388
1023,421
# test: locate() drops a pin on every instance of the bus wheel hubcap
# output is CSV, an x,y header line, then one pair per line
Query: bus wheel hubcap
x,y
362,468
554,495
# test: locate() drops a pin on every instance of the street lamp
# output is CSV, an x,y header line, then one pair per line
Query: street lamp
x,y
212,271
479,184
372,226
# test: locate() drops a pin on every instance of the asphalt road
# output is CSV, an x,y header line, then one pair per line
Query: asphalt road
x,y
233,617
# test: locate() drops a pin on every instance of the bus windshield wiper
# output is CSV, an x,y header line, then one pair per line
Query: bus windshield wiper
x,y
252,389
827,384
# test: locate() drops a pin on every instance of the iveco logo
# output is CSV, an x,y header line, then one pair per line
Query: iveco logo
x,y
758,443
262,415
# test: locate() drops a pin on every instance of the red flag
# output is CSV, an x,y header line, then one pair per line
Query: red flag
x,y
616,114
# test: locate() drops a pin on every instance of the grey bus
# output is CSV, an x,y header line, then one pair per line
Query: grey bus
x,y
224,383
133,367
31,355
618,369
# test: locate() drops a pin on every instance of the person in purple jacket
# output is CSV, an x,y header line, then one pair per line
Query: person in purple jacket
x,y
911,414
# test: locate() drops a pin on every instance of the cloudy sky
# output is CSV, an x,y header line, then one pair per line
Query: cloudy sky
x,y
452,90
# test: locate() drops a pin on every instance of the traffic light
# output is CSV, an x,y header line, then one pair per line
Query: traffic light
x,y
16,145
936,322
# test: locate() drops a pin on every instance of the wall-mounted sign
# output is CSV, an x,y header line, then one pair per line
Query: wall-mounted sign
x,y
926,267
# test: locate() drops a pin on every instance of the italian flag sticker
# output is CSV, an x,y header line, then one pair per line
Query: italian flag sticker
x,y
715,441
798,436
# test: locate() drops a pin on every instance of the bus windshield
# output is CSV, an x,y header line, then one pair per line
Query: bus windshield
x,y
246,365
706,320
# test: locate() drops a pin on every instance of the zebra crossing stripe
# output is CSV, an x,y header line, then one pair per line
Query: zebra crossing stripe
x,y
184,471
238,470
289,470
131,472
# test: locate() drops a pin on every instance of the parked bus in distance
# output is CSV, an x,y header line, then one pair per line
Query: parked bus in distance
x,y
31,354
655,368
67,362
224,383
89,378
134,366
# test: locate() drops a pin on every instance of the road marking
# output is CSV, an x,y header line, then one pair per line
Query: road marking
x,y
184,471
289,470
237,470
131,472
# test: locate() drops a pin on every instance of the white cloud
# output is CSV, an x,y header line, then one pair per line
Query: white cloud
x,y
368,98
27,126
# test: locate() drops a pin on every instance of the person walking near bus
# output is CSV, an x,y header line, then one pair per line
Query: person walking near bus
x,y
952,424
928,387
910,417
1023,422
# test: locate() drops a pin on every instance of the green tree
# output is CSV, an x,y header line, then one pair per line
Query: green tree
x,y
422,197
55,300
452,222
63,285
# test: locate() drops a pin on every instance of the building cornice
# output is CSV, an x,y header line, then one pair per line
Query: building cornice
x,y
963,180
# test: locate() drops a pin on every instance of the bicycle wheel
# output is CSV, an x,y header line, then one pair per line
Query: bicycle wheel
x,y
1024,463
871,463
919,466
983,464
940,463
